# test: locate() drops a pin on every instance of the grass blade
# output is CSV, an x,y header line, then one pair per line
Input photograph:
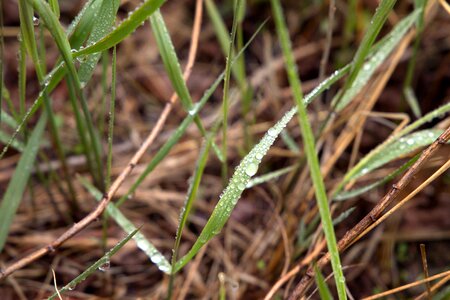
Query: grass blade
x,y
439,112
379,18
324,291
375,60
141,241
99,264
309,148
19,180
393,150
173,69
344,195
136,18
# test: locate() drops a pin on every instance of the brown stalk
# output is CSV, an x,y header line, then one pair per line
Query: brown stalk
x,y
376,212
423,254
92,216
445,274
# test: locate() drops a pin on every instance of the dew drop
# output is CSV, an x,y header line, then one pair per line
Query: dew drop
x,y
105,266
272,132
259,156
71,287
241,186
35,21
251,169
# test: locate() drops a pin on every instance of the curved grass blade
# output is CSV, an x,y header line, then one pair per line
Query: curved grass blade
x,y
375,60
378,19
136,18
19,180
226,90
395,149
103,261
408,91
173,69
103,24
345,195
141,241
439,112
310,148
238,182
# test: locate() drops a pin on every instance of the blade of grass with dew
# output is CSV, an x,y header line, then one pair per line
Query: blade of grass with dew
x,y
226,90
397,148
103,24
408,91
345,195
164,150
324,291
173,69
148,248
104,260
375,60
223,36
439,112
378,19
74,86
129,25
309,148
194,183
16,186
16,144
269,176
191,195
238,182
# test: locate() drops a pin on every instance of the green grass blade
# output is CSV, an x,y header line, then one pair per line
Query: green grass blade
x,y
16,144
345,195
129,25
112,104
378,19
223,37
376,59
191,195
103,24
238,182
408,91
395,149
173,69
16,187
226,90
324,291
309,148
102,263
2,48
141,241
439,112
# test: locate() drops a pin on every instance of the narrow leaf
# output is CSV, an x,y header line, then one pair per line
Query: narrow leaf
x,y
19,180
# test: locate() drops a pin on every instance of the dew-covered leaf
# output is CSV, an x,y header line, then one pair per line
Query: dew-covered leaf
x,y
16,187
102,264
129,25
396,149
376,59
147,247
